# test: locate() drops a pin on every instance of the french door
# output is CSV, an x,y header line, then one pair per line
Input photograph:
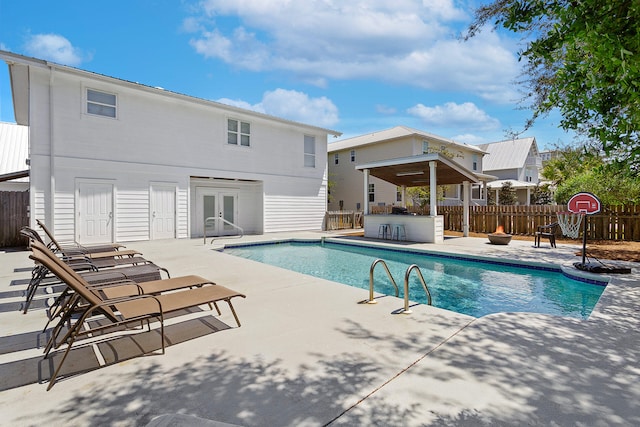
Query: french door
x,y
219,209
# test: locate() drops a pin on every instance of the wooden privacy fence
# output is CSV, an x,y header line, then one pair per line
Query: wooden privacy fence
x,y
14,214
612,223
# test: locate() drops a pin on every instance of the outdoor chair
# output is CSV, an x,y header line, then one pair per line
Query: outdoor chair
x,y
75,247
546,231
121,309
139,269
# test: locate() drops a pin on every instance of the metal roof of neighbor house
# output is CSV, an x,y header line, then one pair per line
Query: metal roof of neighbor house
x,y
510,154
14,150
19,82
391,134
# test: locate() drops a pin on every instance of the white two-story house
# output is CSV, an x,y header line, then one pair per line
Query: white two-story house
x,y
114,160
517,161
345,181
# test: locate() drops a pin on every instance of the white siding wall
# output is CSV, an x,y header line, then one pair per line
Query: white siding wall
x,y
158,137
132,214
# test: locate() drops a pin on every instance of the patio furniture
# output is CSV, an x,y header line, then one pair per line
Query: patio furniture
x,y
119,310
546,231
131,267
384,231
76,247
398,232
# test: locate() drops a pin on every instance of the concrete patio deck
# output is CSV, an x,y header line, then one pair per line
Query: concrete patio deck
x,y
308,354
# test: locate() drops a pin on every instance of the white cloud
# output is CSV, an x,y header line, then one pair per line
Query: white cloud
x,y
469,138
406,41
383,109
452,115
292,105
54,47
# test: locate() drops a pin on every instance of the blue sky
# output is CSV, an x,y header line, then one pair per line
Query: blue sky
x,y
352,66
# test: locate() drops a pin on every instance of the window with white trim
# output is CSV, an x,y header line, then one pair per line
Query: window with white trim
x,y
476,191
425,147
353,156
238,133
309,151
101,103
372,192
336,158
475,162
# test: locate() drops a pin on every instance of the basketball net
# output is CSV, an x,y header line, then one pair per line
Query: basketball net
x,y
569,223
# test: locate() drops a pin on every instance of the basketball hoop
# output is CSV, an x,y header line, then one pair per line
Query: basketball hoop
x,y
569,223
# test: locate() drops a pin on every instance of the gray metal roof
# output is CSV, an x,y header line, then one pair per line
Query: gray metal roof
x,y
14,149
510,154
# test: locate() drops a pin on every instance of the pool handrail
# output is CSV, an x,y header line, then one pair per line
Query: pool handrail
x,y
406,287
373,266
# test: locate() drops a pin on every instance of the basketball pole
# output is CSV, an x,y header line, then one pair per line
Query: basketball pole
x,y
584,240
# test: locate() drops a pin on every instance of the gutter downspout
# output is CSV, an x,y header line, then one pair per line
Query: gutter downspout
x,y
52,163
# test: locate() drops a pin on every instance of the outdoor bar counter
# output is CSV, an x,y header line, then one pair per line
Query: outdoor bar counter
x,y
418,228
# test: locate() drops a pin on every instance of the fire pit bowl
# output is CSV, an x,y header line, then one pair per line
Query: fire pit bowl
x,y
499,238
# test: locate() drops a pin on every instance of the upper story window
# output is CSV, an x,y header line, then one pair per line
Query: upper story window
x,y
475,162
372,192
309,151
353,156
238,133
336,158
425,147
101,103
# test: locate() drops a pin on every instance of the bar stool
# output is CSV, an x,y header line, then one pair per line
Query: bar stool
x,y
384,231
398,232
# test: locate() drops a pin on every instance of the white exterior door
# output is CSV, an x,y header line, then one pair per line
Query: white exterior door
x,y
95,213
163,212
213,203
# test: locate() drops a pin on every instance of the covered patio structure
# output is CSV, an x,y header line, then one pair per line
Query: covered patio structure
x,y
417,171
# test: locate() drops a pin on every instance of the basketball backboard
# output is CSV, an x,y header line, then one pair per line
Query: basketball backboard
x,y
585,203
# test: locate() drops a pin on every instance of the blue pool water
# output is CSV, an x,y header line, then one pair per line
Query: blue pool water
x,y
464,286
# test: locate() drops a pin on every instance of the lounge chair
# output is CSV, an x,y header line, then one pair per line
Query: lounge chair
x,y
123,309
139,269
74,246
547,231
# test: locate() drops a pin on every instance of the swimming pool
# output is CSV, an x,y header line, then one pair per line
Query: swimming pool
x,y
465,286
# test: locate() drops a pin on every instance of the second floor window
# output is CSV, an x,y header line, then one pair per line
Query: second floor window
x,y
101,103
475,162
353,155
336,158
372,192
238,133
309,151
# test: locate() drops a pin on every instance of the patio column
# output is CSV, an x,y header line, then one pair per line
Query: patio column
x,y
404,196
497,197
466,192
433,185
365,205
528,196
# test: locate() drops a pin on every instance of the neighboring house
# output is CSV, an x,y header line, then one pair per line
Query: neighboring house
x,y
517,161
14,154
114,160
346,183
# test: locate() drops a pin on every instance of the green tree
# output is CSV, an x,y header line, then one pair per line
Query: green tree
x,y
583,58
570,162
507,194
541,195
